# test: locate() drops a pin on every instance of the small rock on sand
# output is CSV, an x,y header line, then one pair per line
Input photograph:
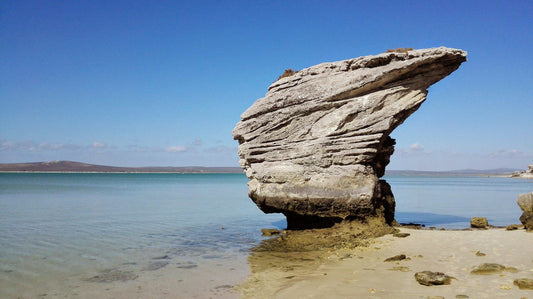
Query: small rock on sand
x,y
461,296
524,283
479,222
401,235
396,258
429,278
479,253
513,227
491,268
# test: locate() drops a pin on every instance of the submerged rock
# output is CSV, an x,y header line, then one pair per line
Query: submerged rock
x,y
429,278
111,275
155,266
316,145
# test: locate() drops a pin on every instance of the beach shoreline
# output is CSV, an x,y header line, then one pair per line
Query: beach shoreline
x,y
363,273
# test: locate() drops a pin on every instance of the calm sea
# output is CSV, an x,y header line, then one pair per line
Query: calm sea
x,y
62,233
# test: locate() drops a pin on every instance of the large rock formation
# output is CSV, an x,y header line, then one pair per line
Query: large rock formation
x,y
316,145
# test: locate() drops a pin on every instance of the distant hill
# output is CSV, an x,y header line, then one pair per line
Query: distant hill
x,y
69,166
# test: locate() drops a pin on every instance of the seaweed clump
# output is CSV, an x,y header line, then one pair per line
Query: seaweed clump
x,y
287,73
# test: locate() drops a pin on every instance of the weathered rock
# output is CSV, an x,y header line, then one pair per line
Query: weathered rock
x,y
479,222
491,268
525,202
527,220
316,145
524,283
429,278
513,227
399,257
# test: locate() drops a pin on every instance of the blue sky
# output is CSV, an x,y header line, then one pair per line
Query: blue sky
x,y
142,83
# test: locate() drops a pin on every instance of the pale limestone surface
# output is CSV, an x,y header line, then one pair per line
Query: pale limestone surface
x,y
525,202
316,145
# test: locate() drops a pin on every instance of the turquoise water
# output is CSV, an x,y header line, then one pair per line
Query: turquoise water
x,y
57,231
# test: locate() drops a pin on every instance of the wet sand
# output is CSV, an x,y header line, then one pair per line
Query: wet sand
x,y
362,273
160,279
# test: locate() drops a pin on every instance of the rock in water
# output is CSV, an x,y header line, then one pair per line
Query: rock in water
x,y
316,145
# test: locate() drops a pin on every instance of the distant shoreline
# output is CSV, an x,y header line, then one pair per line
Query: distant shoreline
x,y
78,167
118,172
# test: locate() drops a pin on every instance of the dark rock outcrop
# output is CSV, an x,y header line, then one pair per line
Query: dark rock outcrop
x,y
316,145
479,222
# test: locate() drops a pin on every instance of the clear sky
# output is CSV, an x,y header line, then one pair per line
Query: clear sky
x,y
162,83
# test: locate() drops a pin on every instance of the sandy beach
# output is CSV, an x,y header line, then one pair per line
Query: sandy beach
x,y
362,272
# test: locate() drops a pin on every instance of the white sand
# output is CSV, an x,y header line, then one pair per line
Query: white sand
x,y
365,274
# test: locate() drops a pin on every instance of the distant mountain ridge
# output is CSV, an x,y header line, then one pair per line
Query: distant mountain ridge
x,y
70,166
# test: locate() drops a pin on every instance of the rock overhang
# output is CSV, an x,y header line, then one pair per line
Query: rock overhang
x,y
316,145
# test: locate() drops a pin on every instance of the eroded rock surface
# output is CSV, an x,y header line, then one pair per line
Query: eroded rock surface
x,y
429,278
316,145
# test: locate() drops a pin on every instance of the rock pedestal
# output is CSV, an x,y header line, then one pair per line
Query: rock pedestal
x,y
317,144
525,202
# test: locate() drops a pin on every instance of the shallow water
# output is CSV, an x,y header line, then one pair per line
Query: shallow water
x,y
62,231
450,201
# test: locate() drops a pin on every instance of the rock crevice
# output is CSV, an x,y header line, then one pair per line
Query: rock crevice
x,y
316,145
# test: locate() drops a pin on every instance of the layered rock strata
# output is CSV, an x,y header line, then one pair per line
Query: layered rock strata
x,y
316,145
